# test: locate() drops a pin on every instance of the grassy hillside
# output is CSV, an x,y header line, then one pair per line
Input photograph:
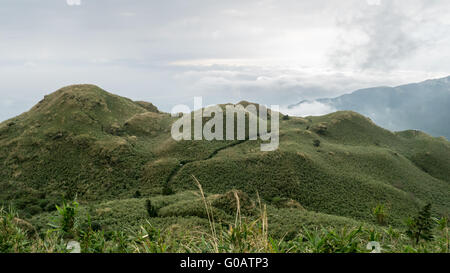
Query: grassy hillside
x,y
114,153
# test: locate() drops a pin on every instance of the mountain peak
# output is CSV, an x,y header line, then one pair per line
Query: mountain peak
x,y
80,95
78,90
79,86
85,107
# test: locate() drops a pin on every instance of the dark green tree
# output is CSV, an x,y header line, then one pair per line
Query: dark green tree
x,y
151,210
421,226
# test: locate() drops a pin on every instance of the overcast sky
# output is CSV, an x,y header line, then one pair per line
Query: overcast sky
x,y
266,51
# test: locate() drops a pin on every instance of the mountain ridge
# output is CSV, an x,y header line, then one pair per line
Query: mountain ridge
x,y
86,142
421,106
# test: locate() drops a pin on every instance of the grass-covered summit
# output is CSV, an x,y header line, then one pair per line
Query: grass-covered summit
x,y
105,149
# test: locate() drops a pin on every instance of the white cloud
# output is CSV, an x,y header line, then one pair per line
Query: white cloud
x,y
373,2
30,64
308,108
73,2
234,13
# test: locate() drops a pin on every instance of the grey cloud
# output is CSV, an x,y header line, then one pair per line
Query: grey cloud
x,y
274,52
387,33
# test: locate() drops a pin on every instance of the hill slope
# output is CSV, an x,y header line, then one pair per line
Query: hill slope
x,y
84,141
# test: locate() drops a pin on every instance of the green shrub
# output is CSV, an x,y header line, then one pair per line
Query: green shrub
x,y
316,143
137,194
421,226
380,214
33,209
12,238
67,219
167,190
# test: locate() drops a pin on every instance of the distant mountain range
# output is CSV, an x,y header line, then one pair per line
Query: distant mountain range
x,y
423,106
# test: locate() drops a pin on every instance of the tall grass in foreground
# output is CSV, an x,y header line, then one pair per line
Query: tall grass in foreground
x,y
250,235
246,234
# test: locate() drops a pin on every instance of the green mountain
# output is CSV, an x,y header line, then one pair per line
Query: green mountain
x,y
423,106
113,153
